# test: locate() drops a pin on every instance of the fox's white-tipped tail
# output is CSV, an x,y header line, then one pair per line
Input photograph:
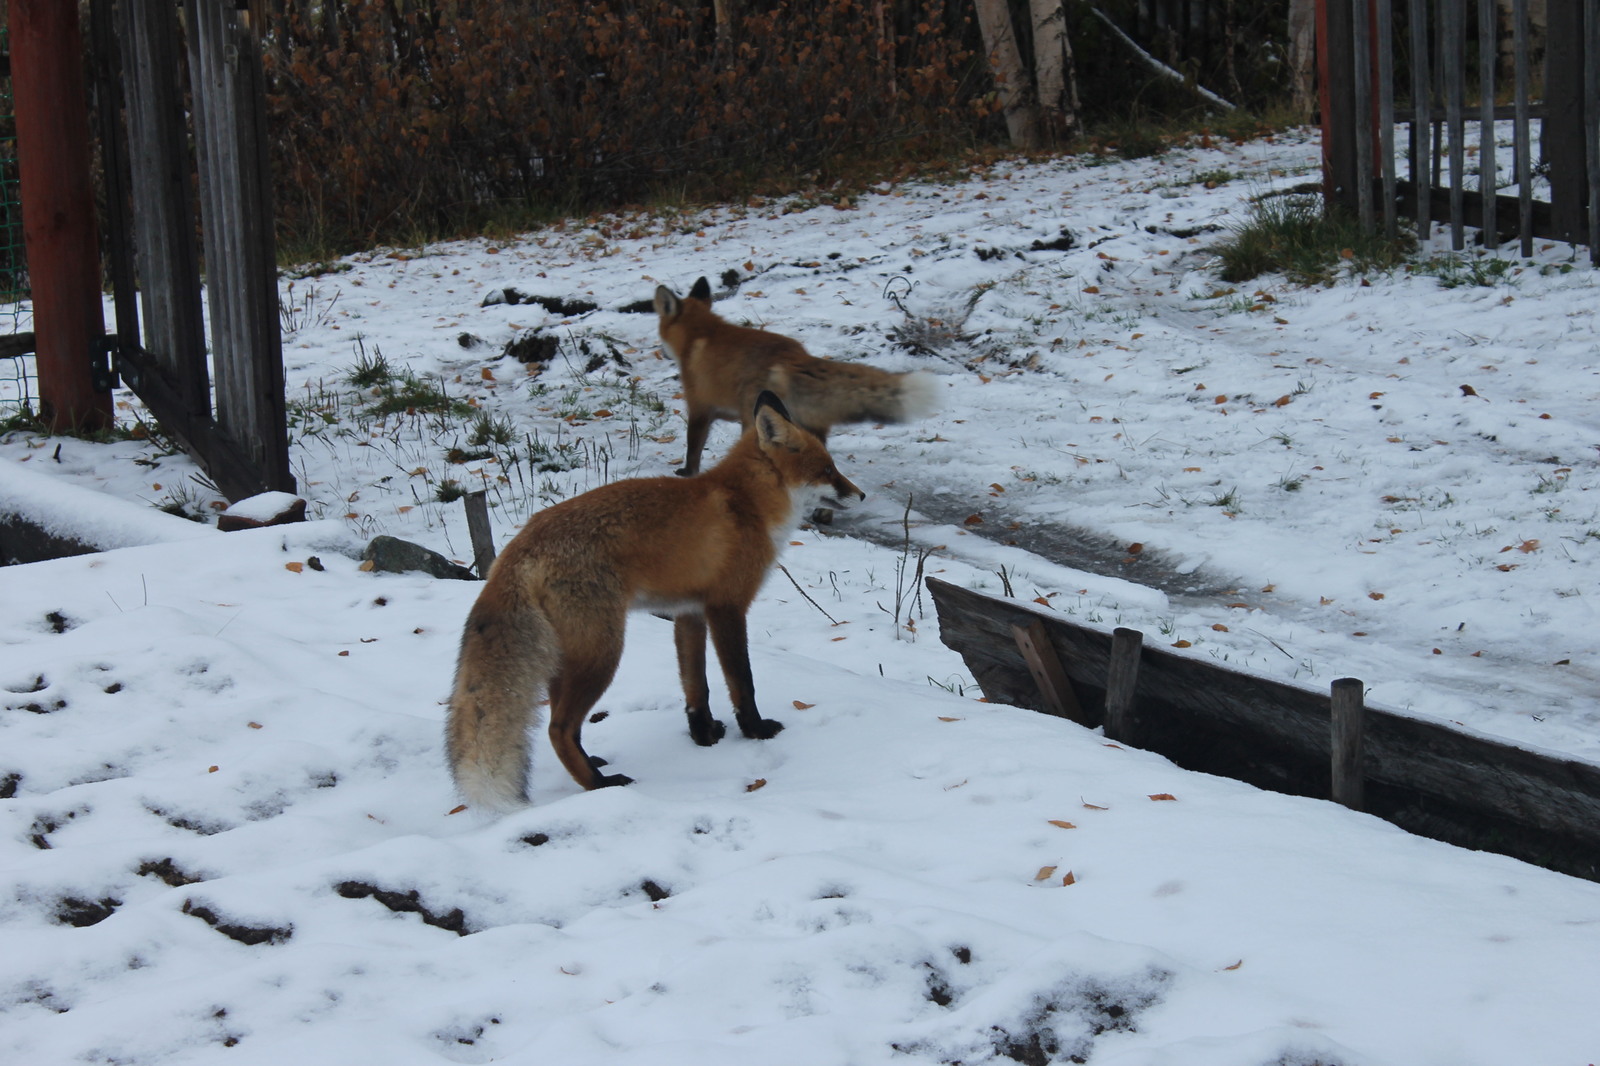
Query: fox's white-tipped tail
x,y
486,793
508,653
919,395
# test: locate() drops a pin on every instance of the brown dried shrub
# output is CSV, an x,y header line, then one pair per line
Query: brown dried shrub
x,y
391,118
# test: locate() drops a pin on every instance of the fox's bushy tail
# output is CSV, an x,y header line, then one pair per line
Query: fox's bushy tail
x,y
509,652
918,396
823,393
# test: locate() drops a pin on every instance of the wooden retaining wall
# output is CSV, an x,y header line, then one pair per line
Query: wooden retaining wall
x,y
1422,775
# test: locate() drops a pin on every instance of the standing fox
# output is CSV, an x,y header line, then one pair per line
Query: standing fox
x,y
724,367
552,613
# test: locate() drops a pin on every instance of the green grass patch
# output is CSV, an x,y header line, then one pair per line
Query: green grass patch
x,y
1456,271
411,395
1293,235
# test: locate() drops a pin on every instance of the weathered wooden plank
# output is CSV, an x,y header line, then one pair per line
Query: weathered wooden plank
x,y
1336,70
236,206
1055,688
1361,89
1521,146
1561,134
1507,211
1591,96
163,213
1385,75
1488,18
1453,67
1419,773
1421,116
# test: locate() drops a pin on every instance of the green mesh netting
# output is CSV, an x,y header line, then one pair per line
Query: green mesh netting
x,y
16,372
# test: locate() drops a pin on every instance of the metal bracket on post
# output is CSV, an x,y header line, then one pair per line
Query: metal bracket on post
x,y
105,362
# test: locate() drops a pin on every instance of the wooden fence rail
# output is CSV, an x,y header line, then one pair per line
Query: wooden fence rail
x,y
1422,775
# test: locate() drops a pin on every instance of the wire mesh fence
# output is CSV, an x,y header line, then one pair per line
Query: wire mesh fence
x,y
17,380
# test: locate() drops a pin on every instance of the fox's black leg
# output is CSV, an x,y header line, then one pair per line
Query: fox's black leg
x,y
733,651
689,634
699,427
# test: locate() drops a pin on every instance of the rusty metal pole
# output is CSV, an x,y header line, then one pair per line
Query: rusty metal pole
x,y
58,213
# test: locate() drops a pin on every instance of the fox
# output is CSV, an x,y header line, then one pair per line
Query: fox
x,y
552,611
723,367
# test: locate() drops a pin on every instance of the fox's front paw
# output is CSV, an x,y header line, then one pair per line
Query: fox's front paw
x,y
762,728
684,471
706,732
611,780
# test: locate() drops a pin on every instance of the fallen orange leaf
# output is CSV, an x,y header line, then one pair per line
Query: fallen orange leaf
x,y
1059,824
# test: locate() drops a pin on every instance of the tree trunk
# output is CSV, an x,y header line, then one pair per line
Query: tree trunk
x,y
1053,71
1303,55
1011,78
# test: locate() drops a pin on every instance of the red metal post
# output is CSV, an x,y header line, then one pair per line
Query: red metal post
x,y
58,213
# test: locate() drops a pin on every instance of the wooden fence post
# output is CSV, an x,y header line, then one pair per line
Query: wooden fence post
x,y
1349,727
477,505
1122,678
58,212
236,211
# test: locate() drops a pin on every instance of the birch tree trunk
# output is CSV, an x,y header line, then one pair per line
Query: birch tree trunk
x,y
1053,71
1303,55
1011,78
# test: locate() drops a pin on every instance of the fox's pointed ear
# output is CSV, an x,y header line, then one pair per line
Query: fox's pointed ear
x,y
701,290
768,398
667,302
773,428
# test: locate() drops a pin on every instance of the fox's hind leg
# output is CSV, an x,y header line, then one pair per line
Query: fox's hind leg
x,y
699,429
573,692
689,634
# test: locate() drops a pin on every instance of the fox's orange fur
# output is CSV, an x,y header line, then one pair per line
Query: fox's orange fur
x,y
552,613
724,368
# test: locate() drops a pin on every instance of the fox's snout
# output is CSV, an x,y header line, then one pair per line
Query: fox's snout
x,y
842,490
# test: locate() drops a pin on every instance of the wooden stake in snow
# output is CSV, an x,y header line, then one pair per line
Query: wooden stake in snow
x,y
1349,727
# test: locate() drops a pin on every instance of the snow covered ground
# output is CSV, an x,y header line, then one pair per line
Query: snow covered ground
x,y
226,817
